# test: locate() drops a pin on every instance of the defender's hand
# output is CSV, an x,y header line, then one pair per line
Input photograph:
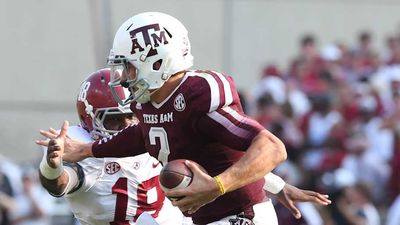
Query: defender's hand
x,y
72,150
55,148
291,194
55,151
52,134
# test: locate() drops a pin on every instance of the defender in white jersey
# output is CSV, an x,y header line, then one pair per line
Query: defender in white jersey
x,y
119,189
107,191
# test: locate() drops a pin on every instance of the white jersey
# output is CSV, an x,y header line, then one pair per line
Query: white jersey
x,y
115,191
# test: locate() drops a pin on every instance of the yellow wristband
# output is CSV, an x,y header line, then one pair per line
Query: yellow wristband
x,y
220,185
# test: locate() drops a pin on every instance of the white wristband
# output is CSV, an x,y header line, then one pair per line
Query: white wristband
x,y
72,181
273,183
49,172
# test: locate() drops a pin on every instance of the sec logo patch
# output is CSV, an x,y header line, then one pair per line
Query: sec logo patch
x,y
112,167
179,103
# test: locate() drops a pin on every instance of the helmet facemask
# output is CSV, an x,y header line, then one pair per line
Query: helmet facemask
x,y
99,129
119,73
140,86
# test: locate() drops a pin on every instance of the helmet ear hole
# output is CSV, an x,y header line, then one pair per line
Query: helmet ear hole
x,y
157,65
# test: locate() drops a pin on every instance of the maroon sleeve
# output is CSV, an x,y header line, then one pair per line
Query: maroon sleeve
x,y
229,127
128,142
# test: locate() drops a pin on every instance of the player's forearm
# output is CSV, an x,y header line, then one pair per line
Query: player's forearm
x,y
57,179
263,155
69,181
76,151
128,142
83,151
55,186
86,150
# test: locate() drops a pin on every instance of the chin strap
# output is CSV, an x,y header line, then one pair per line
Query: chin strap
x,y
143,55
144,98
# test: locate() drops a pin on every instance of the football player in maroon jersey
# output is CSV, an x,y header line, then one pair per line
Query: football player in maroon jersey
x,y
187,114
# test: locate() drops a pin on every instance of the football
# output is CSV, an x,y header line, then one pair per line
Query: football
x,y
175,175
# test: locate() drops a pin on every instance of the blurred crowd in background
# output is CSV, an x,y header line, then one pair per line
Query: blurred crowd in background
x,y
337,109
23,201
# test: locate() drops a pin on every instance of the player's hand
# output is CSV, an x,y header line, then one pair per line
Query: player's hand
x,y
55,151
201,191
291,194
61,147
55,146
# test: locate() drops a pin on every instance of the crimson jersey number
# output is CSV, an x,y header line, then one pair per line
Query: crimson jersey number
x,y
120,188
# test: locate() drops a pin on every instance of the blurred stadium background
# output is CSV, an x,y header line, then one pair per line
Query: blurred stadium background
x,y
322,75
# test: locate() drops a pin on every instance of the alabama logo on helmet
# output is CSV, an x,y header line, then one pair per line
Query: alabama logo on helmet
x,y
149,33
179,103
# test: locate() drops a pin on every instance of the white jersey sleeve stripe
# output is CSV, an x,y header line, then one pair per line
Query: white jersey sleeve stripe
x,y
233,113
237,116
225,122
227,89
215,95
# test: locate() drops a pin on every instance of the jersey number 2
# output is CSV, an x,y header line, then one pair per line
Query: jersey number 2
x,y
159,132
120,188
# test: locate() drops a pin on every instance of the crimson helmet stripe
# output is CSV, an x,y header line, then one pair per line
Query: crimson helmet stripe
x,y
229,123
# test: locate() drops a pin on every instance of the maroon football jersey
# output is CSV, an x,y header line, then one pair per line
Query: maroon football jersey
x,y
202,120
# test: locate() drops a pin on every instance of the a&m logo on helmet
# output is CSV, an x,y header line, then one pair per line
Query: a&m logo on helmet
x,y
179,103
152,35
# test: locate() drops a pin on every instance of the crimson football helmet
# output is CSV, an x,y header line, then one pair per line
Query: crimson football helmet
x,y
157,45
95,103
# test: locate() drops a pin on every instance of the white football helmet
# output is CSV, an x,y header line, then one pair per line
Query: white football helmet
x,y
157,45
